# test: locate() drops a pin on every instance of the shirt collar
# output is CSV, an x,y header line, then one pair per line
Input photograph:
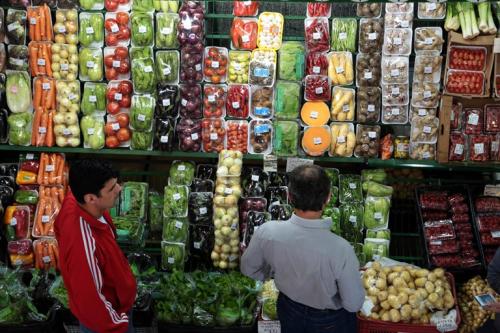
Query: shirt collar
x,y
316,223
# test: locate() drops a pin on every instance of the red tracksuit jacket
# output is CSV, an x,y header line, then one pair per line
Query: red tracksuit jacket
x,y
98,278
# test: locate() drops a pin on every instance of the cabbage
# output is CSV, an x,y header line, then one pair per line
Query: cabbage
x,y
18,92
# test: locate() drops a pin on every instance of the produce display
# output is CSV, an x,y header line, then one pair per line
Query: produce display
x,y
291,61
239,62
344,32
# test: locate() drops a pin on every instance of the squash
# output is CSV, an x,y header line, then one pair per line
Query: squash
x,y
315,113
343,139
316,140
343,105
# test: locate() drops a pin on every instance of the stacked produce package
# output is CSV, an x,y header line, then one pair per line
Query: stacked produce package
x,y
447,227
40,185
488,224
133,214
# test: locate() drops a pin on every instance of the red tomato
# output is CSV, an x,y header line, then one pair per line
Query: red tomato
x,y
111,74
125,102
122,119
125,87
112,40
108,61
111,5
113,108
112,142
123,2
123,134
122,17
121,53
124,67
124,33
108,129
110,23
110,94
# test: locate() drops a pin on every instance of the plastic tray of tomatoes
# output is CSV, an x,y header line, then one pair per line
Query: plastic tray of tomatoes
x,y
464,82
473,120
213,133
214,100
237,135
117,29
117,130
116,63
215,64
119,96
469,58
479,150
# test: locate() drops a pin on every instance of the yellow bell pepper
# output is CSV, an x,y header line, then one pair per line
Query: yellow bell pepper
x,y
26,177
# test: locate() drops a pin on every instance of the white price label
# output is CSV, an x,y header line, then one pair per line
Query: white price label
x,y
316,35
90,131
422,112
368,75
116,63
431,6
473,119
171,260
89,30
148,69
115,126
178,224
213,136
318,90
353,219
62,29
64,67
426,155
395,72
233,257
479,148
165,102
372,135
197,67
436,242
371,108
194,136
395,112
428,41
197,245
268,326
66,131
228,190
141,117
372,36
494,146
427,94
316,69
181,167
45,86
90,64
33,21
314,114
245,38
234,226
114,28
211,98
142,29
397,41
428,69
13,26
255,178
345,108
427,129
215,64
30,156
72,96
167,70
343,36
41,62
339,70
46,259
118,97
50,168
176,196
184,102
45,219
203,210
395,91
341,139
317,141
405,24
13,221
377,215
459,149
164,139
353,186
495,234
42,130
166,31
237,66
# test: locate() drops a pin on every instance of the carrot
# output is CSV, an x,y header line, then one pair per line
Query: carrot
x,y
38,219
60,170
53,91
53,262
38,93
38,255
50,129
45,248
38,35
48,68
39,178
45,173
47,192
33,59
35,127
50,174
49,94
60,195
48,212
43,124
55,252
41,22
48,23
32,28
53,192
44,96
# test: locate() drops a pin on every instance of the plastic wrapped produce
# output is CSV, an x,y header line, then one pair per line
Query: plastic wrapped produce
x,y
213,134
371,35
134,200
167,102
215,64
375,249
173,256
473,120
398,20
369,9
117,29
479,148
280,212
469,58
21,253
260,139
207,171
343,104
369,104
395,69
428,39
15,22
464,82
395,94
189,134
191,66
245,8
350,189
238,101
286,136
20,128
291,61
427,68
244,33
399,8
287,100
367,141
368,70
424,129
317,88
431,10
376,214
315,113
91,29
397,41
425,95
492,118
164,135
66,26
318,9
340,68
343,139
316,140
317,34
344,32
175,202
239,63
200,208
456,116
167,67
93,131
277,194
175,230
166,30
142,112
254,183
181,173
116,63
17,223
190,101
351,222
237,135
262,102
190,29
317,63
270,30
262,67
439,230
422,151
118,96
214,100
143,75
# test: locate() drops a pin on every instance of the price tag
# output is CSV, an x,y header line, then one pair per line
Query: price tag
x,y
317,141
427,94
371,108
66,131
352,186
339,70
142,29
30,156
20,62
170,260
164,139
262,111
397,41
176,196
245,38
114,28
316,69
64,67
316,35
72,96
495,234
495,146
90,131
228,190
115,126
235,105
211,98
436,242
318,90
372,135
184,102
405,24
234,226
427,129
194,136
395,72
148,69
377,215
46,259
459,149
215,64
13,26
233,257
33,21
141,117
181,167
431,6
41,62
402,147
49,168
179,224
197,67
166,31
345,108
343,36
18,262
62,29
314,114
116,63
395,91
167,70
422,112
45,218
428,69
473,119
428,41
45,86
197,245
237,66
203,210
42,130
261,72
479,148
268,326
213,136
255,178
353,219
118,96
341,139
426,155
368,75
90,64
395,111
13,221
89,30
372,36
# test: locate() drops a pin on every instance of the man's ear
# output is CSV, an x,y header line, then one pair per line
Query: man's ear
x,y
89,198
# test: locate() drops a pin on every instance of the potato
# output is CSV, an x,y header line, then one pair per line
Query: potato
x,y
432,277
406,312
433,298
382,295
403,298
416,313
373,291
395,316
420,282
405,275
386,270
399,283
394,301
429,286
381,284
374,316
386,316
392,276
439,272
422,272
392,291
413,301
385,305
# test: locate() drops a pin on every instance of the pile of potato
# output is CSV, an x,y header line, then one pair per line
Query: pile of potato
x,y
407,293
473,315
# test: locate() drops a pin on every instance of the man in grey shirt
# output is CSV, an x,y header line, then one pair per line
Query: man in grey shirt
x,y
494,281
316,271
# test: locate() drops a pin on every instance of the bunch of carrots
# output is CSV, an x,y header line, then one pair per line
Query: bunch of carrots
x,y
52,170
48,207
44,103
46,254
40,54
40,23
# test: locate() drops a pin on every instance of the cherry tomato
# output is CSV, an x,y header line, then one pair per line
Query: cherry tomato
x,y
121,53
112,39
122,119
123,134
125,102
125,87
124,33
124,67
108,61
108,129
123,2
112,142
122,17
113,108
111,74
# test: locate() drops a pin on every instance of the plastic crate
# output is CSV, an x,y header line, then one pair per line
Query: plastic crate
x,y
366,325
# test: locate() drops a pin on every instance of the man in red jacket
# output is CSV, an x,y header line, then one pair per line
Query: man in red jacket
x,y
100,284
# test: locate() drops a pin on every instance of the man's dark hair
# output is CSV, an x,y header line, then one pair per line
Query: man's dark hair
x,y
309,187
88,176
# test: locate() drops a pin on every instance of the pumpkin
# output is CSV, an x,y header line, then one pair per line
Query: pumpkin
x,y
316,140
315,113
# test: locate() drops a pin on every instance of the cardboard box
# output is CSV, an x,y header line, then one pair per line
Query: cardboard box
x,y
455,38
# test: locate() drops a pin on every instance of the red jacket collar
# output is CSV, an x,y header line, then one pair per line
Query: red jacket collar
x,y
91,220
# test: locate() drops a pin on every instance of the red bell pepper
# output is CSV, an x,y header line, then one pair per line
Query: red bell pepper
x,y
317,34
245,8
244,33
318,9
238,96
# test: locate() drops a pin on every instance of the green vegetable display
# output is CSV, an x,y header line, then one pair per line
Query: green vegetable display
x,y
142,28
334,214
139,52
344,33
181,173
18,91
381,234
286,136
287,100
155,211
142,112
94,98
350,188
376,189
130,231
358,250
333,175
376,175
20,128
166,6
143,75
351,222
134,200
142,140
291,61
166,30
375,249
334,197
91,63
58,291
26,197
143,5
91,29
377,212
93,131
173,256
167,66
175,201
175,230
